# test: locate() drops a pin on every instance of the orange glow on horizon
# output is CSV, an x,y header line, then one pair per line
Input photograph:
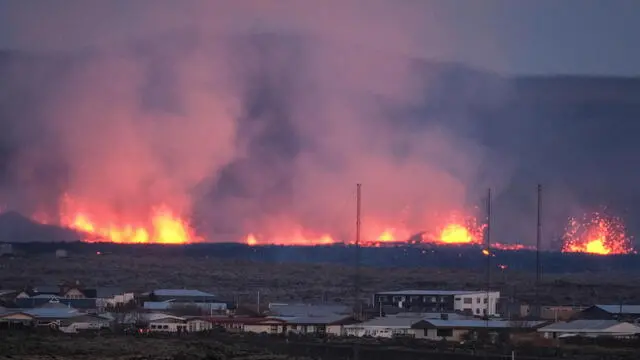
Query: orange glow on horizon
x,y
597,234
161,226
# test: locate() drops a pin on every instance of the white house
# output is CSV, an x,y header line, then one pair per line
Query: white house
x,y
477,303
386,327
165,323
589,328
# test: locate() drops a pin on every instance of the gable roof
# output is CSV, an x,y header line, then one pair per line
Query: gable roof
x,y
432,292
586,326
308,310
618,309
312,320
181,292
475,324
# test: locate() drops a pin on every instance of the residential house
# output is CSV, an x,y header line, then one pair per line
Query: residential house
x,y
590,328
171,305
478,303
386,327
88,305
65,319
237,323
267,325
157,322
316,325
610,312
458,330
197,324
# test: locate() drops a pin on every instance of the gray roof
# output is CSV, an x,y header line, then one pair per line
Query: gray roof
x,y
308,310
310,320
53,313
431,292
617,309
181,292
492,324
581,326
389,321
435,315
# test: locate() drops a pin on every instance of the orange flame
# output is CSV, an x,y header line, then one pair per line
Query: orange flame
x,y
597,234
162,226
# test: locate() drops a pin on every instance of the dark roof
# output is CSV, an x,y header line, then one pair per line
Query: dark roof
x,y
476,324
619,309
74,303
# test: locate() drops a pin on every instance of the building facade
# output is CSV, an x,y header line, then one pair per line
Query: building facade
x,y
477,303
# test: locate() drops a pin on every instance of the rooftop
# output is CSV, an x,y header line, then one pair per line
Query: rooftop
x,y
432,292
181,292
620,309
466,324
586,326
309,320
389,322
308,310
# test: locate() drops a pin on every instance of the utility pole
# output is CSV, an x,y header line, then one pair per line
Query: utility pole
x,y
538,242
357,305
488,251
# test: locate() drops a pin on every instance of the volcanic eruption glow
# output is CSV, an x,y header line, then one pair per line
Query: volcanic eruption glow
x,y
161,226
597,234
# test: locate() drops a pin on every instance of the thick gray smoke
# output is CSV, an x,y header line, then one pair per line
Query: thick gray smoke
x,y
248,116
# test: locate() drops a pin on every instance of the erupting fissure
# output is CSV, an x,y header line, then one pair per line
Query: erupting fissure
x,y
159,225
596,234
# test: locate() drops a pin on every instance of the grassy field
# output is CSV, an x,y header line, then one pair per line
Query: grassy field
x,y
233,279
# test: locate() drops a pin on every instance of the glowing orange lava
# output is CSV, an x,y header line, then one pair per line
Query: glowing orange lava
x,y
161,225
597,234
294,239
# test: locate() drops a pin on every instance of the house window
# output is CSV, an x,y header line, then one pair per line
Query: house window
x,y
434,299
444,333
442,299
468,300
274,329
397,299
477,311
414,299
477,300
458,299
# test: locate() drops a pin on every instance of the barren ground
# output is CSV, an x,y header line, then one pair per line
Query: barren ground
x,y
302,282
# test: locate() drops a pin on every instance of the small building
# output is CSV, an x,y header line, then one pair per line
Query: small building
x,y
478,303
457,330
590,328
88,305
316,325
62,253
201,308
158,322
385,327
308,310
236,323
610,312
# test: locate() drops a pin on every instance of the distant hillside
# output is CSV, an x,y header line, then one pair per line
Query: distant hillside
x,y
15,228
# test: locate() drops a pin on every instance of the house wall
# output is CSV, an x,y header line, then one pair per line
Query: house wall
x,y
432,334
379,331
335,330
264,328
476,303
198,325
74,294
167,326
435,303
74,327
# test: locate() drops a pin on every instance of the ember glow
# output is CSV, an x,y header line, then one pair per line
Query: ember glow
x,y
597,234
159,225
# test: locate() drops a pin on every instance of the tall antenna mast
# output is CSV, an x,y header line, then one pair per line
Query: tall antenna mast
x,y
538,242
488,250
357,277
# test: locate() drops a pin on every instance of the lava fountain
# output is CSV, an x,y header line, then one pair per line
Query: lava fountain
x,y
597,234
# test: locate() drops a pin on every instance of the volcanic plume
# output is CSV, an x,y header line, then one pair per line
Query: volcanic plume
x,y
597,233
250,121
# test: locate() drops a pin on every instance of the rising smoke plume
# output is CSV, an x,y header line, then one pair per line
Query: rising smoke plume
x,y
247,116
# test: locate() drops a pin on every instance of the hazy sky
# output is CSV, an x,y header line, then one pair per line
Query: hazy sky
x,y
528,36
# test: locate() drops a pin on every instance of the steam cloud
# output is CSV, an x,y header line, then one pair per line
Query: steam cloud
x,y
249,116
